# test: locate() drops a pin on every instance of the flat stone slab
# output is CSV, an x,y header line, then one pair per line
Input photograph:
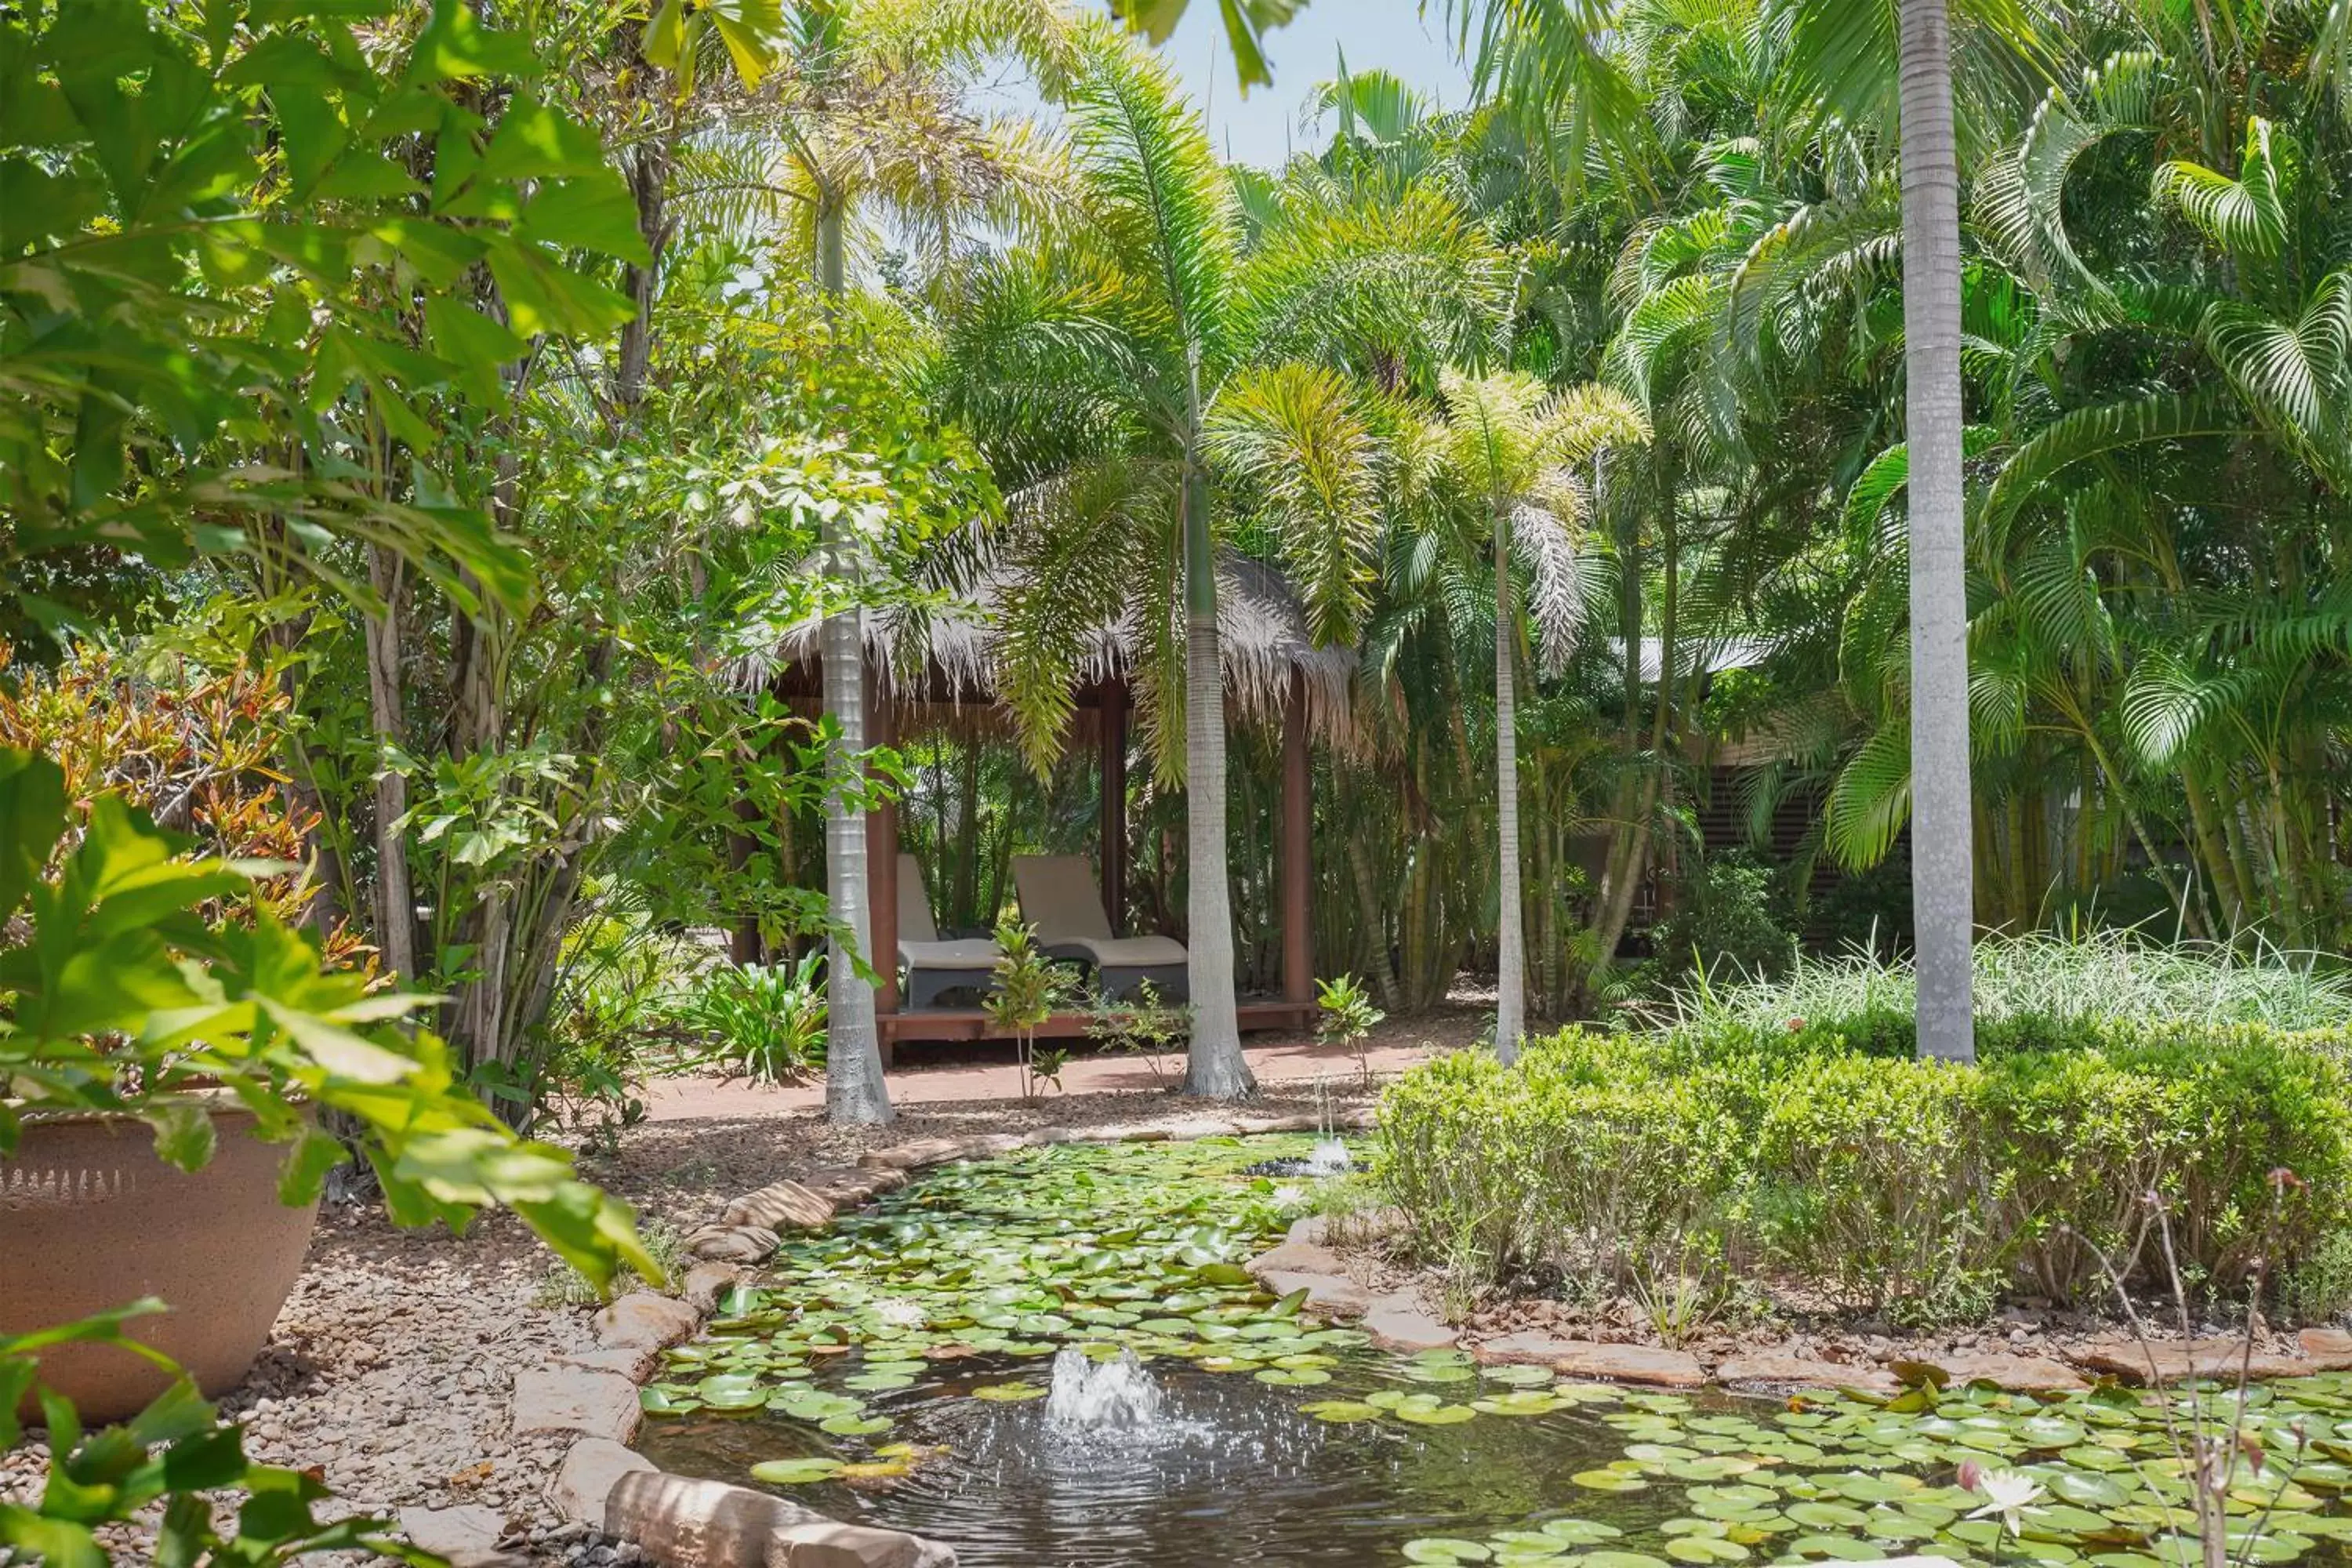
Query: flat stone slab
x,y
642,1319
2330,1349
1401,1323
779,1205
2004,1369
830,1545
732,1243
1631,1363
591,1467
1781,1370
1311,1228
636,1362
1527,1348
1333,1295
468,1532
2175,1360
686,1523
1295,1257
575,1399
706,1282
914,1156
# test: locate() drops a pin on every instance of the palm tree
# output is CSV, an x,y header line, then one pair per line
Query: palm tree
x,y
1509,448
1144,387
1943,871
872,121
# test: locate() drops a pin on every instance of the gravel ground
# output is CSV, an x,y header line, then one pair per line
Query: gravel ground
x,y
391,1365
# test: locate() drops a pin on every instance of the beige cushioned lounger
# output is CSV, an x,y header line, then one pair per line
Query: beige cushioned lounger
x,y
1058,897
932,965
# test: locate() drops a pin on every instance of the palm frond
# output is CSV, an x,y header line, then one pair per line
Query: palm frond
x,y
1294,433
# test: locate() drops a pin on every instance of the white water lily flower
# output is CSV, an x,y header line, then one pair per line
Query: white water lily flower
x,y
2011,1494
901,1315
1289,1195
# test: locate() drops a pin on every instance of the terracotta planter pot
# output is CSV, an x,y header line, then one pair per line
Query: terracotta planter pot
x,y
89,1218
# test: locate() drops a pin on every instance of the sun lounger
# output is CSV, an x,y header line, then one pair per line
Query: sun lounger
x,y
1058,897
932,965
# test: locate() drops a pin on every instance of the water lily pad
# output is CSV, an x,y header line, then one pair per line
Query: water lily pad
x,y
854,1425
1287,1377
1519,1376
1842,1547
1009,1392
1578,1532
1340,1410
795,1472
1705,1549
1445,1549
1435,1415
1609,1481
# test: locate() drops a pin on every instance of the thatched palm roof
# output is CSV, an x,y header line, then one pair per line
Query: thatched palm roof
x,y
948,655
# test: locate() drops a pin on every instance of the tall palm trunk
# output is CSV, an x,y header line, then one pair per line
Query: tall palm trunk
x,y
1942,855
1510,935
1215,1066
853,1087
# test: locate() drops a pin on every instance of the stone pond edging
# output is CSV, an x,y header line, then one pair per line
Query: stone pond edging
x,y
681,1521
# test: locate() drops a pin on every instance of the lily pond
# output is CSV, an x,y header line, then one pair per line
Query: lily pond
x,y
1056,1358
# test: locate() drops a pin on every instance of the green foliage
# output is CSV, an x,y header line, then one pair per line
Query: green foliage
x,y
1347,1017
166,1460
121,1000
1732,922
767,1022
2083,974
1796,1152
1144,1025
1028,987
210,221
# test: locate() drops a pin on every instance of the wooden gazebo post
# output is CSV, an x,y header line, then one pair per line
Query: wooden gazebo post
x,y
1297,850
1111,827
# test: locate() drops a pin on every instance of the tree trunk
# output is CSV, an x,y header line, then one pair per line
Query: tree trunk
x,y
1942,858
395,904
1216,1068
1510,933
854,1086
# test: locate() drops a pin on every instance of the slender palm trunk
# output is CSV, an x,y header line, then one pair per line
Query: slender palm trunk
x,y
1942,857
396,905
1216,1066
853,1087
1510,935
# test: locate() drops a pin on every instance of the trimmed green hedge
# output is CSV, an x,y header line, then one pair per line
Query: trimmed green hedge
x,y
1843,1166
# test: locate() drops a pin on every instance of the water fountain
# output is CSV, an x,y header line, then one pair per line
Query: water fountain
x,y
1111,1395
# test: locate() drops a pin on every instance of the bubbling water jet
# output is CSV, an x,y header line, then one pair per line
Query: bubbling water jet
x,y
1117,1395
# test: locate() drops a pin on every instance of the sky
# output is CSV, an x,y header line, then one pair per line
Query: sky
x,y
1392,35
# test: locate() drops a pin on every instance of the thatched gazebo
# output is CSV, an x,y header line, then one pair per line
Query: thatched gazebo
x,y
939,668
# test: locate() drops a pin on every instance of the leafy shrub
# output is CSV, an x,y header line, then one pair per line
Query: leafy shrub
x,y
1866,1179
765,1022
1876,1179
1734,920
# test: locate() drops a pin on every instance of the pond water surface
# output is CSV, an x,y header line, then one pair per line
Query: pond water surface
x,y
1055,1359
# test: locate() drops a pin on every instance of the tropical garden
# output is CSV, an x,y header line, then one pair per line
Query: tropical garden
x,y
1783,571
